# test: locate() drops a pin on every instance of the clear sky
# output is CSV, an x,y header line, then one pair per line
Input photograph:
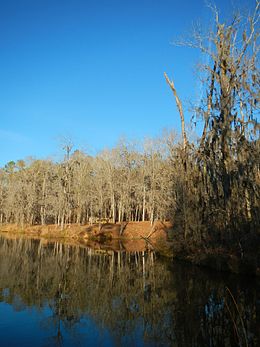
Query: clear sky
x,y
92,70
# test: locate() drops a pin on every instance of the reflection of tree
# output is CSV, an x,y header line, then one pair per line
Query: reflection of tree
x,y
205,305
59,305
125,293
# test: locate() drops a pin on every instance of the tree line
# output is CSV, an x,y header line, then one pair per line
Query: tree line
x,y
125,183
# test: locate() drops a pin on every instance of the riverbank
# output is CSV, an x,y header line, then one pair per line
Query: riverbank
x,y
127,236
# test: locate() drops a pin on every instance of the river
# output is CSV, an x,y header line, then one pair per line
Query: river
x,y
52,294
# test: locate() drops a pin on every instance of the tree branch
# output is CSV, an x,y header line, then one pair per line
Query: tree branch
x,y
179,105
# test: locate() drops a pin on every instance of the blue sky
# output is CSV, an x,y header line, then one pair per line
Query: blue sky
x,y
93,71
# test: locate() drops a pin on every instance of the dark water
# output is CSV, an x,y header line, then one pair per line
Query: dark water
x,y
58,295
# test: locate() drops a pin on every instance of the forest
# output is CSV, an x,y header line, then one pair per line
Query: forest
x,y
118,184
209,188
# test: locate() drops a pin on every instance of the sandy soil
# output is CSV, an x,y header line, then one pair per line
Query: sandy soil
x,y
128,236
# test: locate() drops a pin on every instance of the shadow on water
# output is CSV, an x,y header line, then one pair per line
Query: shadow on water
x,y
82,296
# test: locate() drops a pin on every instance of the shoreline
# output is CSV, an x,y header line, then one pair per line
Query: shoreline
x,y
138,237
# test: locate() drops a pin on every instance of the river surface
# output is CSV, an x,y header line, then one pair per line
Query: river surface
x,y
53,294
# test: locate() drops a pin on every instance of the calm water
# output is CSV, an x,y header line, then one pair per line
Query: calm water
x,y
58,295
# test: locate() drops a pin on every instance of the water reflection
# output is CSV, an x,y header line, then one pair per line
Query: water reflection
x,y
82,296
